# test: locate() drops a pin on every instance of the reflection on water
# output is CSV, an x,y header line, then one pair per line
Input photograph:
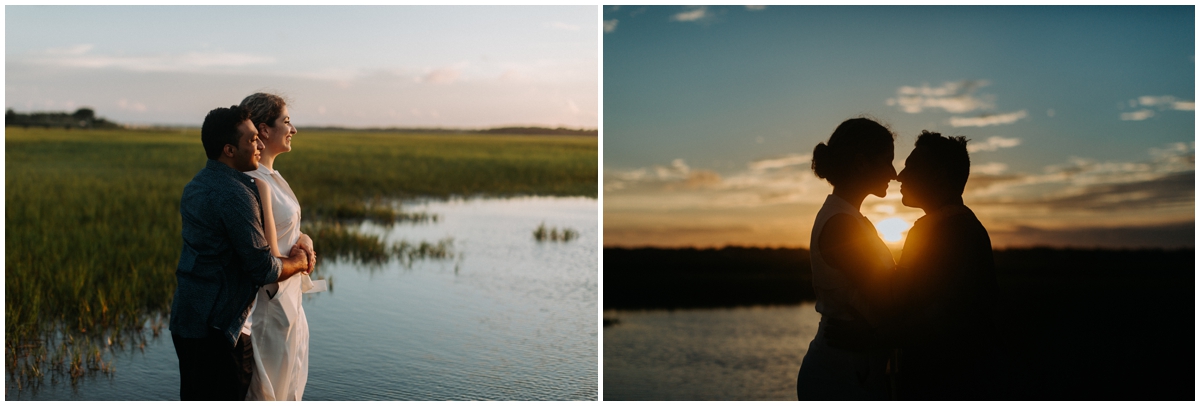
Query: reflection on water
x,y
748,353
506,318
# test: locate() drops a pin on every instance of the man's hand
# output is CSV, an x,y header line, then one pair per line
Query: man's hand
x,y
307,242
297,261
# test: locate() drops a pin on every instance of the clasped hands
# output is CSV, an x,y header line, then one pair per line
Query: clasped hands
x,y
304,246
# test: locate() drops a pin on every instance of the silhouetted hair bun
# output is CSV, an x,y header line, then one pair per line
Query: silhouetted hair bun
x,y
820,160
831,159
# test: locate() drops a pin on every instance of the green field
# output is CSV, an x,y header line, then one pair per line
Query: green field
x,y
93,228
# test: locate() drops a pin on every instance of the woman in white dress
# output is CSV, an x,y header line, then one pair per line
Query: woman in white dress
x,y
279,329
851,267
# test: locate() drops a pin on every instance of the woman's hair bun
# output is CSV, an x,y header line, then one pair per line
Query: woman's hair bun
x,y
820,160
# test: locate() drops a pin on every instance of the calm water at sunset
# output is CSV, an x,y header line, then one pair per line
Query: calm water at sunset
x,y
745,353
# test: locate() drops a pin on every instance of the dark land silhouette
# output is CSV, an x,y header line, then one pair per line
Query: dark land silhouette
x,y
1075,324
82,118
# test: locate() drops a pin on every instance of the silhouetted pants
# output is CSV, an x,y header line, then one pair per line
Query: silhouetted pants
x,y
829,373
210,370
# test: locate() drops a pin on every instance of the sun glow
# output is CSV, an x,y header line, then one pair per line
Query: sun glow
x,y
892,229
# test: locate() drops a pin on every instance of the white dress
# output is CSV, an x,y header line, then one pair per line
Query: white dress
x,y
279,328
829,373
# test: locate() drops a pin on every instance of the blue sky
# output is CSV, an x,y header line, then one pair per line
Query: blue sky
x,y
363,66
1081,118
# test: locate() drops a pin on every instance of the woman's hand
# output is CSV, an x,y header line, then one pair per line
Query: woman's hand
x,y
307,242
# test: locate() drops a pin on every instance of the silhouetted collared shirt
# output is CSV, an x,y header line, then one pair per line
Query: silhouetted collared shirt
x,y
947,279
225,257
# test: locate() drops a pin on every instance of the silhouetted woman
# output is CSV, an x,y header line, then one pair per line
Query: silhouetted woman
x,y
850,265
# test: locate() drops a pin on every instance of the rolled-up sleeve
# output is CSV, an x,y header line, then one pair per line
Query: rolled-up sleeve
x,y
242,218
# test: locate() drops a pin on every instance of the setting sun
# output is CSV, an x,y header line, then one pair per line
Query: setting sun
x,y
892,229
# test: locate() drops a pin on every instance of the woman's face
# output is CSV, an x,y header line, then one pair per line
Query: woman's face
x,y
279,137
880,172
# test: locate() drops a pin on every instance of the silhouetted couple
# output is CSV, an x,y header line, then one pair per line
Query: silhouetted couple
x,y
921,329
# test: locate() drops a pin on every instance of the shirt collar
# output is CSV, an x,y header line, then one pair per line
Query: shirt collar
x,y
262,170
950,205
223,169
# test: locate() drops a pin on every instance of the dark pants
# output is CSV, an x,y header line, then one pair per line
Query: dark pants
x,y
210,370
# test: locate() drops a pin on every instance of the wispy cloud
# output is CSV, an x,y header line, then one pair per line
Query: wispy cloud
x,y
988,119
953,97
993,143
81,56
990,168
1166,103
1167,179
610,25
775,163
693,13
1137,115
763,182
1161,103
443,75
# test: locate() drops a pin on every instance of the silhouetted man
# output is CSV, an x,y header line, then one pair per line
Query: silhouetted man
x,y
946,281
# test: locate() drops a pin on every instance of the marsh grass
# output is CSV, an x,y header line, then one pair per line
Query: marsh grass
x,y
409,252
542,233
341,242
92,226
376,210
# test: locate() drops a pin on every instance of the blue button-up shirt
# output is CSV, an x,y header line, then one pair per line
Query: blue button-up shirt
x,y
225,257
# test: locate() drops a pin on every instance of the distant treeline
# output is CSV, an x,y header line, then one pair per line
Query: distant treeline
x,y
82,118
501,130
655,278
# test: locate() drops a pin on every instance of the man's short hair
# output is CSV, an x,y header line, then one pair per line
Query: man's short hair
x,y
221,128
949,155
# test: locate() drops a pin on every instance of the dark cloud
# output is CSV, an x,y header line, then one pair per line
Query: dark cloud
x,y
1178,235
1170,190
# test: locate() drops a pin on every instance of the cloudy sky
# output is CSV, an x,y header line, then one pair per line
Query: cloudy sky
x,y
373,66
1081,119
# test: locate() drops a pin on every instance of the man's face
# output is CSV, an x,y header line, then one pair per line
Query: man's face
x,y
248,149
918,181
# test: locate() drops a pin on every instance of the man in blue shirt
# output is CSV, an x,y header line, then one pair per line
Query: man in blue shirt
x,y
225,260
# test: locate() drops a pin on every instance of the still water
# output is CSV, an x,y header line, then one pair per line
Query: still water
x,y
746,353
508,318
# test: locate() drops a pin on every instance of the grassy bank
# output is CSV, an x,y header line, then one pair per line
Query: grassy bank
x,y
92,223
